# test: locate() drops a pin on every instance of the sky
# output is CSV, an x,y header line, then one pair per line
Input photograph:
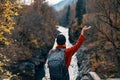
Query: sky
x,y
27,2
52,2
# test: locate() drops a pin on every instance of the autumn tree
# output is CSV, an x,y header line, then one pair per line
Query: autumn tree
x,y
103,40
104,16
34,34
109,17
8,11
27,41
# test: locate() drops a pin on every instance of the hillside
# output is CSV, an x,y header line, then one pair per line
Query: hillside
x,y
30,41
102,47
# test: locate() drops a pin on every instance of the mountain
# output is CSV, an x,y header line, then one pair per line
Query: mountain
x,y
63,4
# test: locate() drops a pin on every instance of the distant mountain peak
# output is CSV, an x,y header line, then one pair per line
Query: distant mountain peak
x,y
59,6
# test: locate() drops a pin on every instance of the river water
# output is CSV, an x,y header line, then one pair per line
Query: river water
x,y
73,68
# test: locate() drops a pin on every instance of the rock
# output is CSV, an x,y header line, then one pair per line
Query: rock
x,y
83,62
32,68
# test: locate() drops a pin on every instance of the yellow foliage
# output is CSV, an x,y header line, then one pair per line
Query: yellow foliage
x,y
2,63
8,10
35,42
16,14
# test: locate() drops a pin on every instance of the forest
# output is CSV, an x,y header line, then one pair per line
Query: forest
x,y
103,43
27,33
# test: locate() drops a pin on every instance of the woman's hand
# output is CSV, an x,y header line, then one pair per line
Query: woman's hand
x,y
85,28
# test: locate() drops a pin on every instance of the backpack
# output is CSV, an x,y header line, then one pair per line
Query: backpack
x,y
57,65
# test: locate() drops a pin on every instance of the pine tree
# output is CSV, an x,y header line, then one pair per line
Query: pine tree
x,y
80,10
68,15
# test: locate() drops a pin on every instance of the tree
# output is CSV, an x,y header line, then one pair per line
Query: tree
x,y
34,34
30,41
109,16
104,16
68,15
8,11
80,10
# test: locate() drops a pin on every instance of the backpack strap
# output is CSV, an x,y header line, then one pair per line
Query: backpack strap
x,y
52,50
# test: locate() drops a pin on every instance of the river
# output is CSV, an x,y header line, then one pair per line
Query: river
x,y
73,68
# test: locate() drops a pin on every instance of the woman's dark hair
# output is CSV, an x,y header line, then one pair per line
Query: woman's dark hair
x,y
61,39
